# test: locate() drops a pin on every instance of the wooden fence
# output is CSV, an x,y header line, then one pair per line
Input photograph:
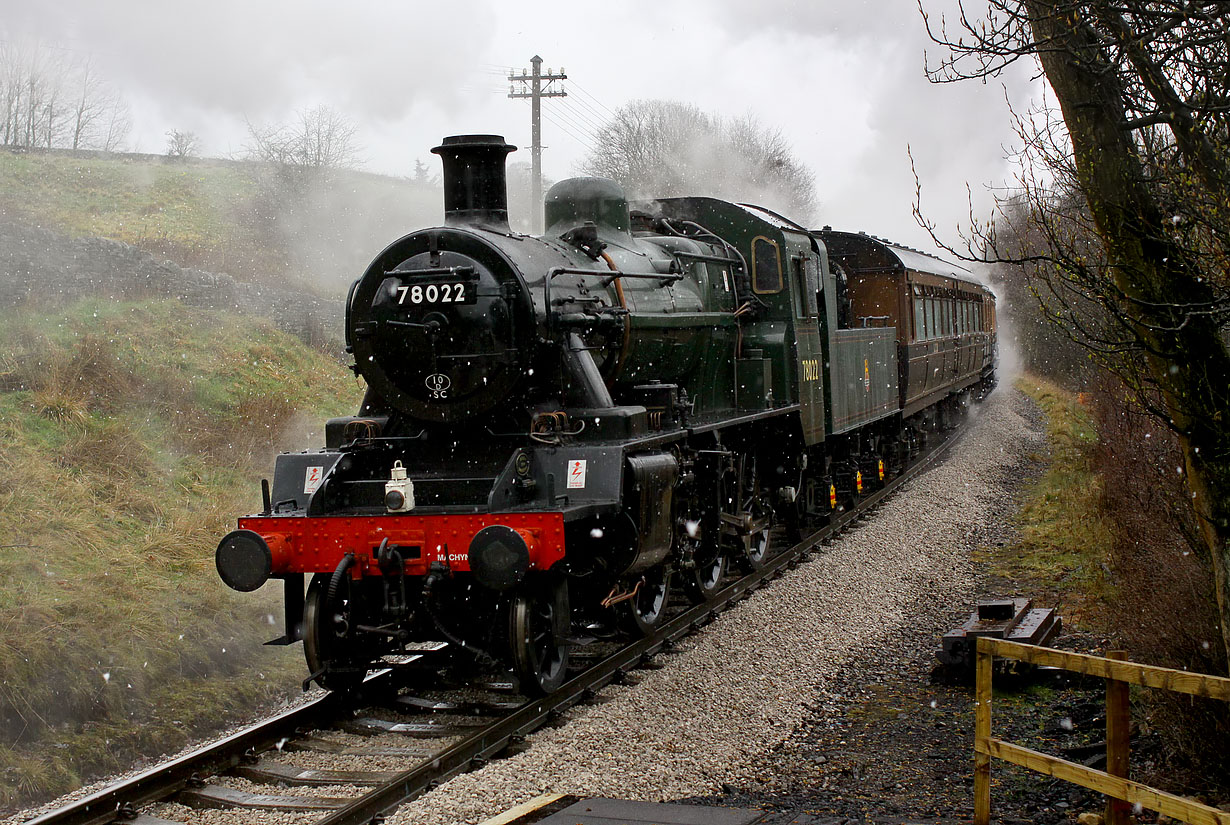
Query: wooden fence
x,y
1113,782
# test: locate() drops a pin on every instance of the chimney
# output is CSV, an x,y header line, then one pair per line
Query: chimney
x,y
475,188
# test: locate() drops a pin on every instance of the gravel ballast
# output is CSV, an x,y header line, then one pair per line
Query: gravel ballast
x,y
733,693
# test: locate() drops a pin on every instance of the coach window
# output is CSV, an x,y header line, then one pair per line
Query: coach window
x,y
933,321
920,317
766,266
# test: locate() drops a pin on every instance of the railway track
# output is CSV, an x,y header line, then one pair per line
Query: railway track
x,y
440,731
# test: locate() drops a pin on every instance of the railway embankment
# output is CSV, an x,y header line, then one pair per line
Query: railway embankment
x,y
132,431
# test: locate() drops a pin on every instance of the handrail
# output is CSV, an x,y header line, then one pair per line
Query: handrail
x,y
1112,782
607,279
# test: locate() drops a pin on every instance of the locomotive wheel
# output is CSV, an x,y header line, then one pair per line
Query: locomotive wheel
x,y
327,643
643,612
704,580
755,547
753,519
700,534
538,625
701,543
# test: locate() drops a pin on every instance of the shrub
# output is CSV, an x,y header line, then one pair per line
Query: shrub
x,y
1164,607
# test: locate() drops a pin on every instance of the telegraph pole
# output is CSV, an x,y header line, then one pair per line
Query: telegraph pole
x,y
536,92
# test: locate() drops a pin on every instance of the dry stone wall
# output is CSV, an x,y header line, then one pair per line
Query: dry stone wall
x,y
42,268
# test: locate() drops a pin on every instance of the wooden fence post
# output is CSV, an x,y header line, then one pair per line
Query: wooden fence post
x,y
982,732
1118,731
1113,782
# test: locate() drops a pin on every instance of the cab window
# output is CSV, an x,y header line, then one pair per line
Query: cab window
x,y
766,266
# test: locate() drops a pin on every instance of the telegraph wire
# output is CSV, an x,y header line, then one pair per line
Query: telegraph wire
x,y
586,94
580,125
579,117
581,105
580,140
570,131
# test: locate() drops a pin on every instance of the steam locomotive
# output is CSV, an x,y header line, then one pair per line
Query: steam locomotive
x,y
562,432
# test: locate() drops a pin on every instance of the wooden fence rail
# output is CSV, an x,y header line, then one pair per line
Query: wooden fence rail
x,y
1112,782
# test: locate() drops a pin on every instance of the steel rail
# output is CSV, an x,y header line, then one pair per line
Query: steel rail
x,y
162,781
118,802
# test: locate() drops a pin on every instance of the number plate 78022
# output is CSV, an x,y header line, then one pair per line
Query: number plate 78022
x,y
445,292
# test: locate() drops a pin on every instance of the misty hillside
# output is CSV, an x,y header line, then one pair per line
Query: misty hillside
x,y
252,221
134,433
166,327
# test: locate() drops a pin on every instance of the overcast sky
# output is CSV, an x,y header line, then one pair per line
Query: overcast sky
x,y
842,80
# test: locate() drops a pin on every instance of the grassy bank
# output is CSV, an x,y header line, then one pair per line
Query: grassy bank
x,y
132,435
252,221
1063,543
191,212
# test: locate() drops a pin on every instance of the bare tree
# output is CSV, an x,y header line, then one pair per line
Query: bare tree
x,y
318,138
181,144
113,136
1143,89
657,148
99,117
48,101
1046,323
36,78
87,109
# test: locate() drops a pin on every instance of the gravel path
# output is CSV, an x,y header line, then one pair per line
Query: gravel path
x,y
742,687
